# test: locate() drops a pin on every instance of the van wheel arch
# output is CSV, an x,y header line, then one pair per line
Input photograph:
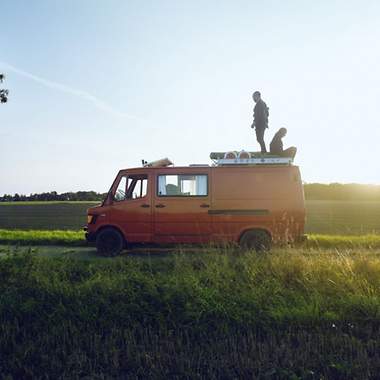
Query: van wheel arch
x,y
110,241
110,226
258,239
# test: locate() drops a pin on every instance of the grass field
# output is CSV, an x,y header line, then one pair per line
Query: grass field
x,y
343,217
293,314
77,239
323,217
44,215
310,312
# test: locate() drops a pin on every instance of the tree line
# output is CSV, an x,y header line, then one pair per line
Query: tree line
x,y
3,92
313,191
54,196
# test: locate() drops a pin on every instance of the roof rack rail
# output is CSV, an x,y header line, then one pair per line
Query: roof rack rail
x,y
255,158
255,161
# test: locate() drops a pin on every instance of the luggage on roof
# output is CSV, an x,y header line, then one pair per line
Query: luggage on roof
x,y
249,158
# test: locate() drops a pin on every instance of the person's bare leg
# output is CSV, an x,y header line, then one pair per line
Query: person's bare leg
x,y
290,152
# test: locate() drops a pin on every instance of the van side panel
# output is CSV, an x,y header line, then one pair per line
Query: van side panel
x,y
269,198
239,198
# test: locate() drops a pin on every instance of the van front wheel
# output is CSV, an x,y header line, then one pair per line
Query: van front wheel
x,y
109,242
257,240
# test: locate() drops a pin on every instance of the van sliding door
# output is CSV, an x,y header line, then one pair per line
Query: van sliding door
x,y
181,207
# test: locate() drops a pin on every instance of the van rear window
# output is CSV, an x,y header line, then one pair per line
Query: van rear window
x,y
185,185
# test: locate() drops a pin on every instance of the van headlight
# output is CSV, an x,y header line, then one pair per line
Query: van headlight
x,y
91,219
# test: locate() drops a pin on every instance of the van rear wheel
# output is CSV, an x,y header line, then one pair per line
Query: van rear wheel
x,y
109,242
258,240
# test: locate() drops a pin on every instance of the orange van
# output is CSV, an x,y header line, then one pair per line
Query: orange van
x,y
254,204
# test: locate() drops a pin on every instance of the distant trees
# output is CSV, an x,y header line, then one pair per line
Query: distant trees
x,y
3,93
54,196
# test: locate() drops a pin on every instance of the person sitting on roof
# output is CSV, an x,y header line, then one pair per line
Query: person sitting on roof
x,y
276,146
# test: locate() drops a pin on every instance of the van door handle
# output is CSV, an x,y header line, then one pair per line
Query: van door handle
x,y
204,205
144,205
160,205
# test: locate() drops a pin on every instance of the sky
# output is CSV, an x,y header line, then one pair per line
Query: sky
x,y
96,86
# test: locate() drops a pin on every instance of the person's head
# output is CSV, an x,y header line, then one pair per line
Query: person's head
x,y
256,96
282,132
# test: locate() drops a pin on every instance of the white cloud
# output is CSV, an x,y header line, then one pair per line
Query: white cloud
x,y
99,103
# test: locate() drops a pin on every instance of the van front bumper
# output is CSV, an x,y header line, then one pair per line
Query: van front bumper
x,y
90,236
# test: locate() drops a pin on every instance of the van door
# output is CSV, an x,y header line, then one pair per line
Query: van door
x,y
181,205
131,208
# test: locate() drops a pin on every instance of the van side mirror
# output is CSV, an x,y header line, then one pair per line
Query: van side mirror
x,y
119,195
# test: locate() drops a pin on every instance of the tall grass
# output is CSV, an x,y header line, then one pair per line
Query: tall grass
x,y
369,241
290,314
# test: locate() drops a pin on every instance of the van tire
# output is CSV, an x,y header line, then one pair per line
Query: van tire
x,y
109,242
258,240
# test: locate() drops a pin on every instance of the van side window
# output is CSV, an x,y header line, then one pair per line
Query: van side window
x,y
140,188
184,185
131,187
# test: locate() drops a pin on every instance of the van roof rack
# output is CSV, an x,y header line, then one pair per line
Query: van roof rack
x,y
248,158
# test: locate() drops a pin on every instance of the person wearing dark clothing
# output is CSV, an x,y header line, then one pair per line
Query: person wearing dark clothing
x,y
260,119
276,147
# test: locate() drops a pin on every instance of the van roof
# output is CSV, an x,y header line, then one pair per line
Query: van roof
x,y
232,159
194,169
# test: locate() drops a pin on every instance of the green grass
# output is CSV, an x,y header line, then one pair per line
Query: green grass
x,y
340,241
37,237
46,203
44,215
76,238
308,312
342,217
301,313
323,217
